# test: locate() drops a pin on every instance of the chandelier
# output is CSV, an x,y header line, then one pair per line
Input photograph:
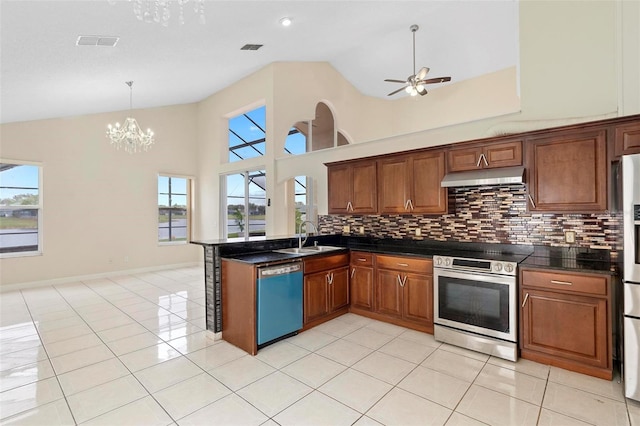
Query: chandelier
x,y
130,136
159,11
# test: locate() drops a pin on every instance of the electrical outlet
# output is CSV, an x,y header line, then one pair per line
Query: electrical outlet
x,y
570,237
346,229
362,230
418,232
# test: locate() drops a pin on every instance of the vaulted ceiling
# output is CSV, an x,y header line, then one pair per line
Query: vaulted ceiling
x,y
44,74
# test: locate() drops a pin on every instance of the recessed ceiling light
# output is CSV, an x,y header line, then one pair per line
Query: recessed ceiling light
x,y
286,21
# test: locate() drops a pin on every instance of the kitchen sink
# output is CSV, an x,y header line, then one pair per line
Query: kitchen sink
x,y
307,250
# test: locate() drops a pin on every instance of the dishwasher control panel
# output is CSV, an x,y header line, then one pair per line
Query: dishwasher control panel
x,y
286,268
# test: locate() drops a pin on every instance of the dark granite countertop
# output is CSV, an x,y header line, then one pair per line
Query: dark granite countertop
x,y
259,251
572,259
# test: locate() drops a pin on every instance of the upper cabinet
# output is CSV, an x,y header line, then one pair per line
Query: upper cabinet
x,y
352,188
410,184
568,171
627,139
485,156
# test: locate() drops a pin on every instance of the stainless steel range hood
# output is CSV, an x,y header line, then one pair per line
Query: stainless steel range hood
x,y
499,176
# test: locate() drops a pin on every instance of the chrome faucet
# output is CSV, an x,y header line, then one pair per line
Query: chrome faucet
x,y
306,234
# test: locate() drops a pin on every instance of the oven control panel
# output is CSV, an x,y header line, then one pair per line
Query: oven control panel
x,y
464,264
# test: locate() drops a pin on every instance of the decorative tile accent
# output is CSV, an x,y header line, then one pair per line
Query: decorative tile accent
x,y
488,214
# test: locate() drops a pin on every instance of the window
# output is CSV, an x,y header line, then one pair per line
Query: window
x,y
304,203
247,135
246,204
173,209
20,208
320,133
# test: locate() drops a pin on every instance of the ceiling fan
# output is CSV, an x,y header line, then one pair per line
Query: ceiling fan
x,y
414,84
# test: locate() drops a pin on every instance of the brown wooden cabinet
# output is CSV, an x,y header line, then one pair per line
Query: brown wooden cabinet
x,y
566,320
485,156
410,184
568,172
352,188
361,280
239,305
627,139
404,290
326,288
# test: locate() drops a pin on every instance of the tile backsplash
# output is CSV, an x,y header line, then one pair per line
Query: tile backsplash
x,y
488,214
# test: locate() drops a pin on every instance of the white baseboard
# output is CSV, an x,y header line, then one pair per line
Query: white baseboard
x,y
64,280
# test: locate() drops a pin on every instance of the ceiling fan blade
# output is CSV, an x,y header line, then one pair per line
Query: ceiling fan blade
x,y
396,81
396,91
422,73
436,80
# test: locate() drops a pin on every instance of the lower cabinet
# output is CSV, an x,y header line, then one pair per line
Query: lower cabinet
x,y
361,280
404,291
326,288
566,320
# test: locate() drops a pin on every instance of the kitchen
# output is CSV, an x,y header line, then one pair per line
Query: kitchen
x,y
543,98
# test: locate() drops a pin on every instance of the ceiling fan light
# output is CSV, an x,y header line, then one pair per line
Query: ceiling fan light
x,y
408,89
414,92
420,87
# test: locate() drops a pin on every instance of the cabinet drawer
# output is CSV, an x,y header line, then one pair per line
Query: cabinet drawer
x,y
323,263
409,264
359,258
579,283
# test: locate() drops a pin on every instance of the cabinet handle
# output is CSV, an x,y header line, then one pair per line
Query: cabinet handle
x,y
532,203
404,281
479,160
484,157
362,259
353,272
406,205
399,280
403,264
411,205
561,282
330,278
526,297
349,206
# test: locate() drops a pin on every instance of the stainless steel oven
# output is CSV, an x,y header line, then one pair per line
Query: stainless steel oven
x,y
475,304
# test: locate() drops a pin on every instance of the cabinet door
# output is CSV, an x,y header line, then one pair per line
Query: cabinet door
x,y
338,288
339,188
627,139
388,293
460,160
316,303
418,298
364,198
568,173
567,326
427,196
503,154
394,187
361,284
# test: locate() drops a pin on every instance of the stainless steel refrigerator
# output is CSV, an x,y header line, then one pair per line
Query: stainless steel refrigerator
x,y
631,275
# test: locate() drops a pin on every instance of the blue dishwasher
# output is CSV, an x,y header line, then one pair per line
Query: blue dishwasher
x,y
279,301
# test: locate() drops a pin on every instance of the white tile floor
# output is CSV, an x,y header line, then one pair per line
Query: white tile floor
x,y
132,350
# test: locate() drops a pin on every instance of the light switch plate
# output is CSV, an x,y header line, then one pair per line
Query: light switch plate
x,y
418,232
346,229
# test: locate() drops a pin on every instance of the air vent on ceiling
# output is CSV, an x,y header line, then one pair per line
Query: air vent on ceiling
x,y
251,46
97,41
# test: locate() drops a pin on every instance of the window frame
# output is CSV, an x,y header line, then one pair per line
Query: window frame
x,y
39,208
189,206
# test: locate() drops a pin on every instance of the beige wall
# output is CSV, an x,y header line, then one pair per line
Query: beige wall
x,y
99,203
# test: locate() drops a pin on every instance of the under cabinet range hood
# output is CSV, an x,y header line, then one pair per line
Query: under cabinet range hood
x,y
498,176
